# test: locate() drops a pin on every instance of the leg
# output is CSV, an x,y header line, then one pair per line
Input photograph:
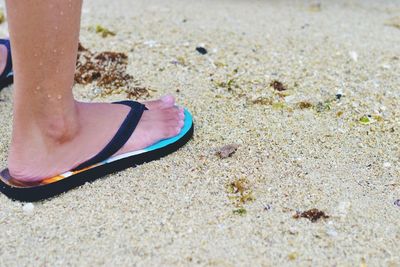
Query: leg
x,y
52,132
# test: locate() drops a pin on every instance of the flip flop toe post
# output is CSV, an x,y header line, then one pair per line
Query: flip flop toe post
x,y
7,76
102,164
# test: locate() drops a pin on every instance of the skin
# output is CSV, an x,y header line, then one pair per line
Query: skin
x,y
3,58
52,132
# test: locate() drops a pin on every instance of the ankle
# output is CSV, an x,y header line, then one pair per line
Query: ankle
x,y
38,137
58,124
60,128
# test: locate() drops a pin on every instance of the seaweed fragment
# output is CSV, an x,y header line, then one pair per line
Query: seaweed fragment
x,y
111,56
227,151
239,186
262,101
293,256
316,7
378,118
363,262
220,64
365,120
278,105
229,84
107,70
278,86
137,92
81,48
2,17
240,211
104,32
241,192
283,94
179,61
313,215
305,105
323,106
393,22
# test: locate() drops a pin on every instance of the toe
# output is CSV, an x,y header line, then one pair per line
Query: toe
x,y
181,113
164,102
181,123
175,123
154,104
171,132
170,114
168,100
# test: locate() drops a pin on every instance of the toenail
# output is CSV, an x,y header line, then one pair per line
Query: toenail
x,y
167,98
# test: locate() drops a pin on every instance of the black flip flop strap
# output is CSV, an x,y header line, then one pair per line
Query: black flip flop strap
x,y
8,67
121,137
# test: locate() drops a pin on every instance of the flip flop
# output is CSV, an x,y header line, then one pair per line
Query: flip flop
x,y
100,165
7,77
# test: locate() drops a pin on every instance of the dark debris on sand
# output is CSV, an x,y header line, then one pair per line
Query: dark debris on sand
x,y
108,70
305,105
278,86
201,50
313,215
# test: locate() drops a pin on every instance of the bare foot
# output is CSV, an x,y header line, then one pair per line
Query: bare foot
x,y
46,149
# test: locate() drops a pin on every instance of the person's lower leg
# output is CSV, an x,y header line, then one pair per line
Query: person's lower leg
x,y
44,79
51,131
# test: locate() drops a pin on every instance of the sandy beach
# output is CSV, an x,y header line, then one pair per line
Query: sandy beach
x,y
308,92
